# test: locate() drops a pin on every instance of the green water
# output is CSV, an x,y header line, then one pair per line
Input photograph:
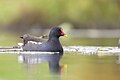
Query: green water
x,y
92,67
79,67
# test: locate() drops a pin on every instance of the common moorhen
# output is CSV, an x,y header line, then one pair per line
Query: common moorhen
x,y
27,37
51,45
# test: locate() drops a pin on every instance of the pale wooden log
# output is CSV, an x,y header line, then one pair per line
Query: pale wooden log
x,y
86,50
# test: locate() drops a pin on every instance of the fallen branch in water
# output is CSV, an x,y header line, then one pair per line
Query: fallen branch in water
x,y
86,50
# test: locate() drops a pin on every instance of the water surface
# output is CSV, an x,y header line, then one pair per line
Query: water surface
x,y
79,67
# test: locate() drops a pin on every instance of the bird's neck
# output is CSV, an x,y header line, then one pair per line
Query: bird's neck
x,y
54,40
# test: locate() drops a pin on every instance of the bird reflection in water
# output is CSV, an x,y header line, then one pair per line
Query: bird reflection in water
x,y
51,45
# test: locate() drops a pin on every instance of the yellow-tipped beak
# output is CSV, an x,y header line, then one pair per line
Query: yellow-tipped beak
x,y
66,35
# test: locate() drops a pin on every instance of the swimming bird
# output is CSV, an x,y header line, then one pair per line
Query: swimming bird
x,y
51,45
27,37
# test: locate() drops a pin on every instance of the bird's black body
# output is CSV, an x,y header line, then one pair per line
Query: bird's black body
x,y
52,45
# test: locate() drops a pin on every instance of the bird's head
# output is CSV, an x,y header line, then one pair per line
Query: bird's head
x,y
56,32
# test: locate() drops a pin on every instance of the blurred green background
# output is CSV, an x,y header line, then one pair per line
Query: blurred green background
x,y
23,14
